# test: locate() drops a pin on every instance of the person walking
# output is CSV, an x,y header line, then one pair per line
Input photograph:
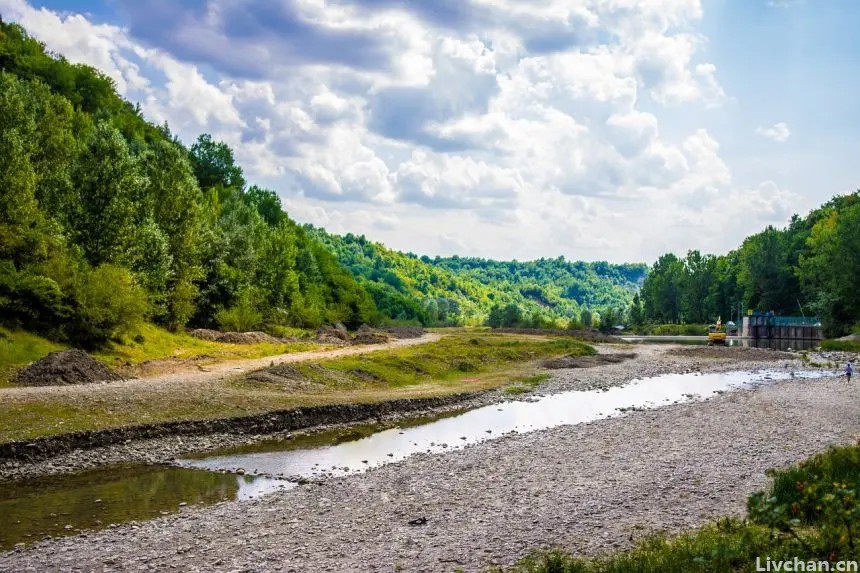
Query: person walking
x,y
848,371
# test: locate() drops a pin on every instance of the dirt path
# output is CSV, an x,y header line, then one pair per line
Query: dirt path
x,y
588,488
210,372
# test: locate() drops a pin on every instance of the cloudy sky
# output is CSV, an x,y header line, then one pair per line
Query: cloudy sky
x,y
593,129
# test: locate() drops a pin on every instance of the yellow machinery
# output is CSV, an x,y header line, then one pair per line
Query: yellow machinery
x,y
716,333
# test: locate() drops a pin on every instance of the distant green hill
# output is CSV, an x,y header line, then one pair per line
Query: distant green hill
x,y
460,290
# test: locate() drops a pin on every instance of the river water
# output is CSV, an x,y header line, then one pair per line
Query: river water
x,y
65,505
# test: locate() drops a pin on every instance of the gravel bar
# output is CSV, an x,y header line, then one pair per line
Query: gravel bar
x,y
588,488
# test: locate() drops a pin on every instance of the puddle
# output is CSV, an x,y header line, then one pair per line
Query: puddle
x,y
65,505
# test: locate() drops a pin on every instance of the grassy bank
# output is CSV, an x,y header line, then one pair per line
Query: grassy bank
x,y
672,330
811,512
148,344
457,363
18,348
841,345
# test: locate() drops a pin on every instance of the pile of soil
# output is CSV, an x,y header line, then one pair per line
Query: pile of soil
x,y
367,335
333,335
585,361
286,376
405,331
236,337
65,367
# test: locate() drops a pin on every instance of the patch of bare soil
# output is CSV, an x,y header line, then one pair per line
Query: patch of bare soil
x,y
284,376
586,361
65,367
730,353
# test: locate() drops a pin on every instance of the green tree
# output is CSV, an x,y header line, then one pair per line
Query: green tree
x,y
107,179
829,268
662,289
214,165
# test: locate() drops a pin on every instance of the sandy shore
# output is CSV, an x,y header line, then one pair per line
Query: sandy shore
x,y
587,488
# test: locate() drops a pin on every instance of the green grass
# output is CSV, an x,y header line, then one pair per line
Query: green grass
x,y
457,363
153,343
730,545
525,384
148,343
841,345
18,348
673,330
809,512
454,358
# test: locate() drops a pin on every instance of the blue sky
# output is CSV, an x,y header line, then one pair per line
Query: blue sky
x,y
593,129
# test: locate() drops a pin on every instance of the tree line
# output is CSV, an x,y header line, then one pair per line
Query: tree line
x,y
109,220
473,291
809,268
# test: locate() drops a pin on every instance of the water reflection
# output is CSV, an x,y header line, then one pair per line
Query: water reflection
x,y
389,445
64,505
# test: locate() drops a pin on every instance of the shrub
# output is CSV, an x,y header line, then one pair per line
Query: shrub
x,y
32,302
109,303
241,317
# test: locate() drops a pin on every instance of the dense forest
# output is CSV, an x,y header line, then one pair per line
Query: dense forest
x,y
459,290
109,220
810,267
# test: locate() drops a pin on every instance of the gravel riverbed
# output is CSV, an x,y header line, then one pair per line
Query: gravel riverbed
x,y
587,488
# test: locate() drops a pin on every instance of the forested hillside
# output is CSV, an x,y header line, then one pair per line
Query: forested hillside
x,y
810,267
460,290
108,220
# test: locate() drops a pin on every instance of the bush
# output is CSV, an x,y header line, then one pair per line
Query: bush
x,y
109,303
32,302
821,492
241,317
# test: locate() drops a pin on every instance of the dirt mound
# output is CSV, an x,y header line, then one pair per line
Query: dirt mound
x,y
286,376
585,361
405,331
336,335
854,336
235,337
65,367
248,338
367,335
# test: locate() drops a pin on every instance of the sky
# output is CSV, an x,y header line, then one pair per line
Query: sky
x,y
511,129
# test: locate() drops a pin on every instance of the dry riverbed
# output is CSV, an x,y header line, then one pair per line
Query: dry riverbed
x,y
588,488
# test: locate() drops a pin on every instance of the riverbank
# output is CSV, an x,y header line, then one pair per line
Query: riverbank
x,y
153,420
587,488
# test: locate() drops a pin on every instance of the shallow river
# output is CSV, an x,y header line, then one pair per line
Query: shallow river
x,y
65,505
